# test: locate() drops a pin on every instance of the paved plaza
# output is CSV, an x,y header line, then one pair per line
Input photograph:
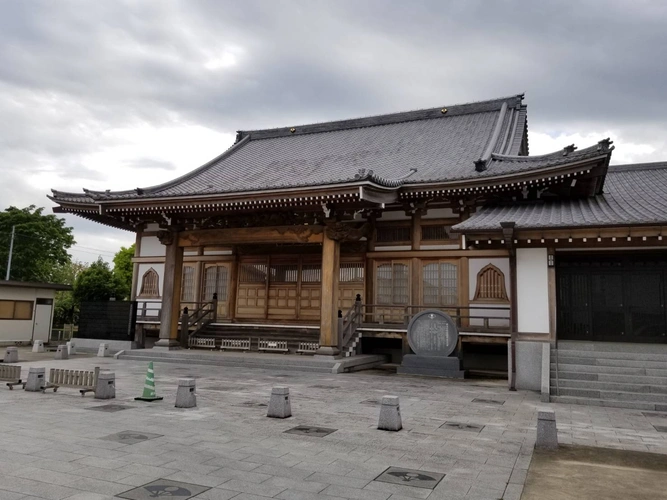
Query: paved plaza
x,y
460,439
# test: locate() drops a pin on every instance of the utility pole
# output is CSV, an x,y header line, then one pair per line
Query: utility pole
x,y
9,259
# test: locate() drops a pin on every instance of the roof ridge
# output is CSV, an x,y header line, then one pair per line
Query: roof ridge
x,y
631,167
385,119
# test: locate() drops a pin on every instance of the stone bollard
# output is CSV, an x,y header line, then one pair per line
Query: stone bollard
x,y
11,355
185,395
390,414
106,386
36,380
71,348
103,350
38,346
62,352
279,404
547,435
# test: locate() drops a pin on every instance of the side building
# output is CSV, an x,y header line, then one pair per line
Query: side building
x,y
438,208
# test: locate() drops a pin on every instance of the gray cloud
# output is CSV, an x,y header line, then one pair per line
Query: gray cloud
x,y
72,72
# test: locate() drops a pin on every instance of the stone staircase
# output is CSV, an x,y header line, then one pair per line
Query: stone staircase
x,y
610,374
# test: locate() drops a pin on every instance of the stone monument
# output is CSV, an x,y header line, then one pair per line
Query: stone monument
x,y
433,338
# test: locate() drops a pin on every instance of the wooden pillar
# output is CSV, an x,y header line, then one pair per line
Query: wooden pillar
x,y
171,291
329,311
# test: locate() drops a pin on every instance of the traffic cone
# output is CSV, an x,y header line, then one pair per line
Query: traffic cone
x,y
149,386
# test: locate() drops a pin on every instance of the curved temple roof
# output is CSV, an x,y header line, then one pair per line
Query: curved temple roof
x,y
431,145
634,194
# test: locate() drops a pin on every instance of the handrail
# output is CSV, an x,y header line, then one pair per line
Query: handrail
x,y
348,324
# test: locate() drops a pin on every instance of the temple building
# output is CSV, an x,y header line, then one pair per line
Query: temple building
x,y
294,229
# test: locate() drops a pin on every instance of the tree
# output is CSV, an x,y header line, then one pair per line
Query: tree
x,y
40,244
122,270
97,283
66,309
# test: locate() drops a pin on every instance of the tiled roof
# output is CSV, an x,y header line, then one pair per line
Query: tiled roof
x,y
633,194
441,144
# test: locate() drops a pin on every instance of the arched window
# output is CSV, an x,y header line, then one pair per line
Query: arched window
x,y
491,285
150,284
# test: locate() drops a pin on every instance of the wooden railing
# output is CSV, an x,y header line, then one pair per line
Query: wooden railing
x,y
475,318
192,322
149,311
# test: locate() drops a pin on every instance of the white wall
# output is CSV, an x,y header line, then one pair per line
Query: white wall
x,y
21,330
532,290
441,213
151,247
474,267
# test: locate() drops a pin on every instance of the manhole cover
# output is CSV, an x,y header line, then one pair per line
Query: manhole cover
x,y
324,387
463,427
164,488
130,437
372,402
653,414
109,408
488,401
660,428
306,430
253,404
410,477
221,388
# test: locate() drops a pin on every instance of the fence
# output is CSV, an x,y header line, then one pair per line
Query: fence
x,y
111,320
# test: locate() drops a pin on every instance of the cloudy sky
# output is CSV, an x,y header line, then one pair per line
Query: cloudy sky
x,y
120,94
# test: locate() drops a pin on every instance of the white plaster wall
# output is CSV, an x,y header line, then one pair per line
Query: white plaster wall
x,y
441,213
396,215
151,247
532,290
474,267
21,330
153,226
217,252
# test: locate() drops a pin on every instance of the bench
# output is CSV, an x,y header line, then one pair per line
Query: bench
x,y
204,342
273,345
236,344
11,374
308,347
59,377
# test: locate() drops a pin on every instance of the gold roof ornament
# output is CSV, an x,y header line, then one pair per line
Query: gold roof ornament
x,y
443,110
292,130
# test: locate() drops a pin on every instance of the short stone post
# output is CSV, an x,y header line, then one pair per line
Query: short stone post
x,y
36,380
279,404
38,346
103,350
106,386
62,352
11,355
186,396
71,348
547,435
390,414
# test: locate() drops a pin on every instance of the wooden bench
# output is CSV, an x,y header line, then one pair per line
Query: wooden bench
x,y
273,345
308,347
11,374
203,342
236,344
59,377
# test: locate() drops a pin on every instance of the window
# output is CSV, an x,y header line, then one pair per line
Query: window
x,y
311,273
284,273
393,234
150,284
440,284
491,285
393,284
252,273
216,280
16,309
351,272
188,284
438,232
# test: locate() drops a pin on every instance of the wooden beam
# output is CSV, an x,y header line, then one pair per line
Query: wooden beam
x,y
251,235
439,254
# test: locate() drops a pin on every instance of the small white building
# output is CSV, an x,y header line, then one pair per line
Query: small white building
x,y
26,310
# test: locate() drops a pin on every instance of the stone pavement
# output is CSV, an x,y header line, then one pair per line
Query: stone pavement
x,y
475,433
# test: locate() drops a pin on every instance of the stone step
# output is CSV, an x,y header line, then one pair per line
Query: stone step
x,y
611,395
628,363
636,405
657,348
611,386
599,369
638,356
607,377
233,363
